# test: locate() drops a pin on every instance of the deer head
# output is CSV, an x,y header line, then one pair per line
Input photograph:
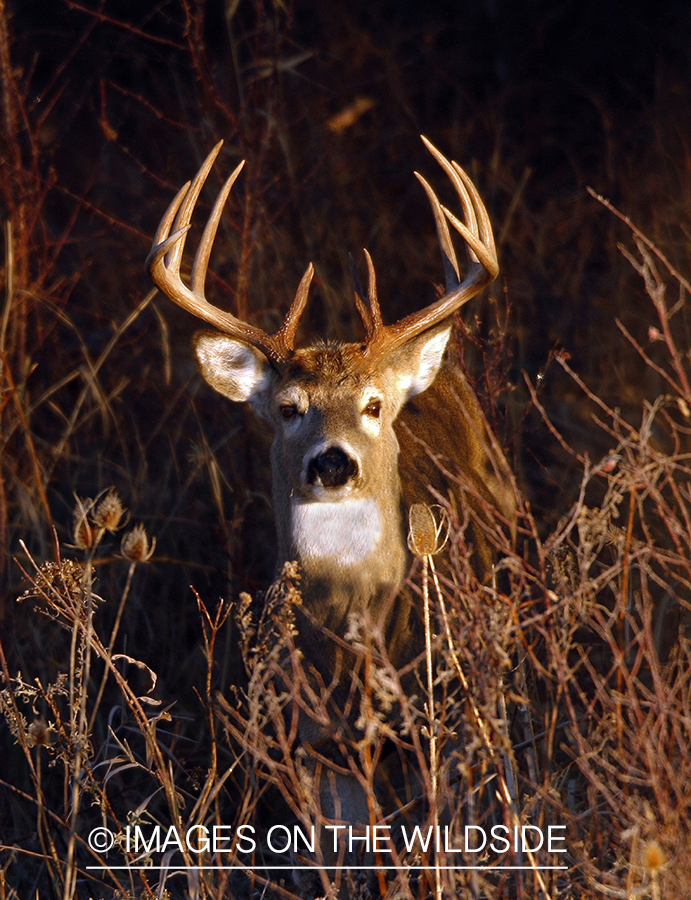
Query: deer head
x,y
331,406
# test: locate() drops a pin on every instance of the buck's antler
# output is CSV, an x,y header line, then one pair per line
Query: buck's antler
x,y
166,254
164,260
477,233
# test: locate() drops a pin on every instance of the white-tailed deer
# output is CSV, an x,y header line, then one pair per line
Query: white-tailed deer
x,y
346,419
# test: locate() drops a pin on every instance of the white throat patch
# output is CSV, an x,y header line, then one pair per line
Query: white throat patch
x,y
347,531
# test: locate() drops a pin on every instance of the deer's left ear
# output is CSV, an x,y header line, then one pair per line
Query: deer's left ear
x,y
416,364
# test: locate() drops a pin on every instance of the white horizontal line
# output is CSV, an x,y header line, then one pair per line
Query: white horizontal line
x,y
331,868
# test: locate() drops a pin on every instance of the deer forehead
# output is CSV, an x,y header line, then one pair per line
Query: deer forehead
x,y
332,377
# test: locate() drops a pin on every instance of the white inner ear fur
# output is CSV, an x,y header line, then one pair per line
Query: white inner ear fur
x,y
425,361
234,369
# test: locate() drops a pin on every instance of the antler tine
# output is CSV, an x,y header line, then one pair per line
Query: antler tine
x,y
201,258
448,252
360,299
370,313
372,299
165,258
483,220
286,336
484,267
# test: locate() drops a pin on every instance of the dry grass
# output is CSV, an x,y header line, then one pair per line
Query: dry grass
x,y
560,696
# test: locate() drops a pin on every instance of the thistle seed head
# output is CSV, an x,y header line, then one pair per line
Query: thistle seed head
x,y
39,733
109,512
135,545
426,536
84,533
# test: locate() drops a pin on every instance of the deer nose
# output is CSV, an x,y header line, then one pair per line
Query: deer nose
x,y
333,468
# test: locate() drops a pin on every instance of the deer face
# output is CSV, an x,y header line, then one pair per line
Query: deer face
x,y
334,453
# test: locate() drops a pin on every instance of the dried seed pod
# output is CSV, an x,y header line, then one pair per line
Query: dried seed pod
x,y
84,532
426,536
135,545
109,512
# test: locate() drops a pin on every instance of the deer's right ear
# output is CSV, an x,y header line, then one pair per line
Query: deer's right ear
x,y
234,369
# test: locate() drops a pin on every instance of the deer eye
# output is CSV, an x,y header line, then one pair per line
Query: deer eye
x,y
373,409
289,411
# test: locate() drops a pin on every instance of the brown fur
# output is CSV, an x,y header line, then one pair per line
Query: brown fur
x,y
443,430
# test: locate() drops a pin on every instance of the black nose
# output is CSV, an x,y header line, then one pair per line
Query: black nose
x,y
333,468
